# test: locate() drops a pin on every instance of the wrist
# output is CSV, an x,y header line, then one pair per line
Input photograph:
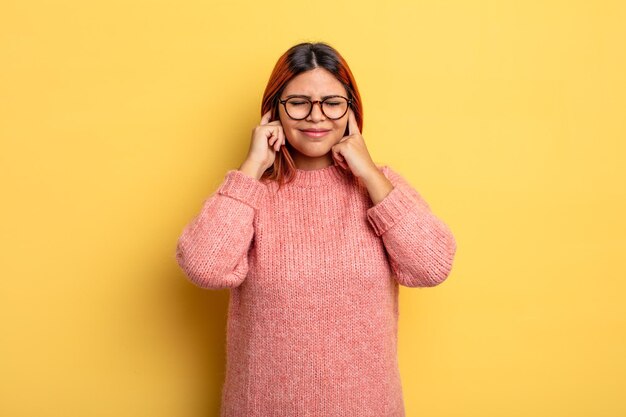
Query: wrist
x,y
252,169
373,175
378,186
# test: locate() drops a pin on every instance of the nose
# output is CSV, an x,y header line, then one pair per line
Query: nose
x,y
316,112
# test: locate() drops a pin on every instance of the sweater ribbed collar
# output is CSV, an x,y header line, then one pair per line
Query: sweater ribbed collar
x,y
318,177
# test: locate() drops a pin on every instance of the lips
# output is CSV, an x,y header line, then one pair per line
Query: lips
x,y
315,133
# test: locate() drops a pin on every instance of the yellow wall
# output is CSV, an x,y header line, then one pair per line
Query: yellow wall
x,y
117,118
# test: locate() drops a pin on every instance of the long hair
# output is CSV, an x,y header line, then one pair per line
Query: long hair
x,y
296,60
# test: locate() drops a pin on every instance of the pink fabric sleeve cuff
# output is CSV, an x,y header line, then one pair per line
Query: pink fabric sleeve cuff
x,y
391,209
242,187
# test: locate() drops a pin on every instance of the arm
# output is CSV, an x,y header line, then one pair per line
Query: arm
x,y
420,247
213,248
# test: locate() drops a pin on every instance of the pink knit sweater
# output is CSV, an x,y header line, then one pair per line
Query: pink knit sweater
x,y
313,271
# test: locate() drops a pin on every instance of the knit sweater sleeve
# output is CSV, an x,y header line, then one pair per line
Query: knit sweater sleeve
x,y
213,247
419,245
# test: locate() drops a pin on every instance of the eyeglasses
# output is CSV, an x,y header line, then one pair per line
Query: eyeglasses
x,y
299,107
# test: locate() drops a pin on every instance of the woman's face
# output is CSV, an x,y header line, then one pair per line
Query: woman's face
x,y
311,151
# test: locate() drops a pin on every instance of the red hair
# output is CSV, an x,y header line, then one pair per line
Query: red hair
x,y
296,60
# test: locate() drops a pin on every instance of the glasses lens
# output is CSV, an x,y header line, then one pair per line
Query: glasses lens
x,y
335,107
298,108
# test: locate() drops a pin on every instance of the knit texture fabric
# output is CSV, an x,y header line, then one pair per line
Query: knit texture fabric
x,y
313,271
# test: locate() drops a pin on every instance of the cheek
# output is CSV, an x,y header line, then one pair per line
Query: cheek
x,y
289,129
342,129
287,125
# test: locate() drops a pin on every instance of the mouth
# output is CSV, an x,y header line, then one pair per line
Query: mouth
x,y
315,133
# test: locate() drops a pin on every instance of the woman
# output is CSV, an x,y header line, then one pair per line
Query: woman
x,y
313,238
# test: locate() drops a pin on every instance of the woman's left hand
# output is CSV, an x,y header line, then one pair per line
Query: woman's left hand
x,y
351,153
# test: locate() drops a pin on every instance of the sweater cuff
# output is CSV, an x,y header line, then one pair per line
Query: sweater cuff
x,y
242,187
390,210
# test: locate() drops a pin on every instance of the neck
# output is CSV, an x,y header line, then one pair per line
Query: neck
x,y
321,177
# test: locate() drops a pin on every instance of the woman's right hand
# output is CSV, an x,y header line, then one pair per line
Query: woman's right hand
x,y
267,138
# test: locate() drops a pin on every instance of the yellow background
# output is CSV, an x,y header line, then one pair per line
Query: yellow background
x,y
118,118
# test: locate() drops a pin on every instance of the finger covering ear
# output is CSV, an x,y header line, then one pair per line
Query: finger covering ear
x,y
352,124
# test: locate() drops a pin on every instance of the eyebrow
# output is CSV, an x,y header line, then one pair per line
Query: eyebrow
x,y
302,95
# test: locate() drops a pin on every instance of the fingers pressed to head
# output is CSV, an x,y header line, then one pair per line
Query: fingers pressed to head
x,y
273,139
281,136
353,127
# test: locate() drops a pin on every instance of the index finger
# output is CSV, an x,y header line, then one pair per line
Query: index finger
x,y
266,117
353,127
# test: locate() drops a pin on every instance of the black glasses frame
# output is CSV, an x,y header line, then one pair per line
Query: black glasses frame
x,y
312,103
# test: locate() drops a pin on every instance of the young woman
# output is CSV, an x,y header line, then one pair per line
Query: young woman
x,y
313,239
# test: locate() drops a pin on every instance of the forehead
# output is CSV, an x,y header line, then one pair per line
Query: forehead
x,y
316,82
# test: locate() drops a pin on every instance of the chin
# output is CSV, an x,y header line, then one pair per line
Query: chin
x,y
311,150
317,152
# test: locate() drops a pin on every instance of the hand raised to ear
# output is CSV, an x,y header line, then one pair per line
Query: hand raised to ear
x,y
351,153
267,138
